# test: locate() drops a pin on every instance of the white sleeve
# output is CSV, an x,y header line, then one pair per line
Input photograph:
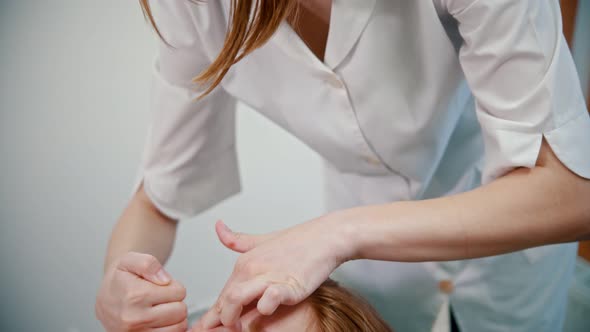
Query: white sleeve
x,y
523,78
189,162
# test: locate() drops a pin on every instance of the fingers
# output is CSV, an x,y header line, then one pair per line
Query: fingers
x,y
145,294
168,314
180,327
239,296
199,327
264,259
145,266
274,296
229,307
173,292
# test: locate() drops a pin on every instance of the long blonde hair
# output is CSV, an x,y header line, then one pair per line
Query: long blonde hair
x,y
246,33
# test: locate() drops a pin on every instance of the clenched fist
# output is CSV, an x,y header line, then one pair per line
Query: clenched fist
x,y
137,295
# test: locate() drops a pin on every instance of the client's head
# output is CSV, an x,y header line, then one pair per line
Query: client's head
x,y
335,308
331,308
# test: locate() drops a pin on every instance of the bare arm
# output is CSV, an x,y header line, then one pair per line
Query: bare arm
x,y
547,204
525,208
142,228
136,293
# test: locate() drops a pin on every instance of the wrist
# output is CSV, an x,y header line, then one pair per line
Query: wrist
x,y
345,228
372,232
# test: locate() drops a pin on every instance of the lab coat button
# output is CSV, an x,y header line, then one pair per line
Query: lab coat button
x,y
372,160
334,81
446,286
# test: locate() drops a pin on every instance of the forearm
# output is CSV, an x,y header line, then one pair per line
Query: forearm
x,y
525,208
142,228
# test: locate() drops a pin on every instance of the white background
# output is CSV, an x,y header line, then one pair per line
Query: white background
x,y
74,78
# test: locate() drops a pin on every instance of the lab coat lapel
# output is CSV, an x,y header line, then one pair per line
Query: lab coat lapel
x,y
347,22
292,45
348,19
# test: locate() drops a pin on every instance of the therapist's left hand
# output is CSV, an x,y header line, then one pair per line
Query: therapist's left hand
x,y
281,268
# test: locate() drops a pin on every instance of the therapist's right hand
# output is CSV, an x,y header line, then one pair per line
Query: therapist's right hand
x,y
137,295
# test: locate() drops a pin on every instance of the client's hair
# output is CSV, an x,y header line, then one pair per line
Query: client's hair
x,y
337,309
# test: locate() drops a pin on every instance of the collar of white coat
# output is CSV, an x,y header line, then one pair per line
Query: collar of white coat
x,y
348,19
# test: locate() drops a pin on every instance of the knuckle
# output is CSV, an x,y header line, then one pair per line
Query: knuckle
x,y
295,285
122,259
130,321
245,266
177,313
240,265
184,314
274,293
234,296
150,263
135,297
182,327
118,279
218,306
180,290
182,294
183,309
180,310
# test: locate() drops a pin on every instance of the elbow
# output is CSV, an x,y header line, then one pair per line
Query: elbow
x,y
583,206
145,202
574,205
572,190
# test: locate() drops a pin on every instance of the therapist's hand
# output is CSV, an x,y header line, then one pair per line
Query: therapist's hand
x,y
282,268
138,295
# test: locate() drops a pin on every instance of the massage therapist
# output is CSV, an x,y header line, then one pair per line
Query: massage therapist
x,y
456,144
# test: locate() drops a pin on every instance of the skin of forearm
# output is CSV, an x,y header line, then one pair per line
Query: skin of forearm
x,y
142,228
547,204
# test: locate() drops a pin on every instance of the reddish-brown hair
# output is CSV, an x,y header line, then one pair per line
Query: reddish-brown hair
x,y
333,308
337,309
252,24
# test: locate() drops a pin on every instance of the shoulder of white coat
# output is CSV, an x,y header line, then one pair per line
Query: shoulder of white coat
x,y
182,23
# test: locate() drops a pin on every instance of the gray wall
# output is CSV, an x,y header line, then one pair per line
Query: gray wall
x,y
74,85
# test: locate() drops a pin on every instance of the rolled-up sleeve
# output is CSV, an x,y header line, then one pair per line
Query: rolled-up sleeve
x,y
189,162
523,78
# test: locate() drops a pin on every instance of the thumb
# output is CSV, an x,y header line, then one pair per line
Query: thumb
x,y
146,266
239,242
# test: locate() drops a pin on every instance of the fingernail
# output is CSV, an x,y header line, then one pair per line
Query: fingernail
x,y
163,276
227,228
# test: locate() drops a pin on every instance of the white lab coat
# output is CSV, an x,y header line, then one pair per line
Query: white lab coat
x,y
410,95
